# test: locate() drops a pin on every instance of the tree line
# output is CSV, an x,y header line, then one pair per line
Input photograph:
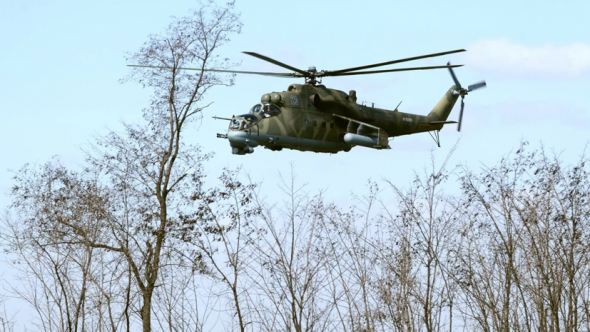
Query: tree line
x,y
136,238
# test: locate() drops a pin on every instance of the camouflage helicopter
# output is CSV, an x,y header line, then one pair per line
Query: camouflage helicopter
x,y
311,117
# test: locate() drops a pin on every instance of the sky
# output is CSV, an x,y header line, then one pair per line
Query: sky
x,y
61,62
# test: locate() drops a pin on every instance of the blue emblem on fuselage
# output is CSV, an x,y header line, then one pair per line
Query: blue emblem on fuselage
x,y
294,100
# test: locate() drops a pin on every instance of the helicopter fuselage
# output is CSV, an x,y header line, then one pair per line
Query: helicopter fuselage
x,y
310,117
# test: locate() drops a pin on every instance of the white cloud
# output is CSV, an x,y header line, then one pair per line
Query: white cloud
x,y
548,61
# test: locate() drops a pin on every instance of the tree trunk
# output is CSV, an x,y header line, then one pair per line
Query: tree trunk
x,y
146,310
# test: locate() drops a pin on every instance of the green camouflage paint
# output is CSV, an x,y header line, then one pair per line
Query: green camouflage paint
x,y
314,112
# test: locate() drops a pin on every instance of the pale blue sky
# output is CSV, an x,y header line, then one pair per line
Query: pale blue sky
x,y
60,62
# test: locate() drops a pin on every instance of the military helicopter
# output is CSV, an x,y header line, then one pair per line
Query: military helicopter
x,y
311,117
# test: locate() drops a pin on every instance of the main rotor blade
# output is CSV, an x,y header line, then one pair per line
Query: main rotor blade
x,y
385,71
278,63
454,77
461,115
395,61
476,86
226,71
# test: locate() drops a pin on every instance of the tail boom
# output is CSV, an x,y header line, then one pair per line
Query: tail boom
x,y
441,111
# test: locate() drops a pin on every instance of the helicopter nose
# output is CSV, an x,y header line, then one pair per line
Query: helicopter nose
x,y
241,139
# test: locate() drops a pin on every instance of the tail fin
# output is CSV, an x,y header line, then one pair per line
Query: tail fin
x,y
441,111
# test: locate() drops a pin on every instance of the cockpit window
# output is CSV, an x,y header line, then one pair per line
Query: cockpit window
x,y
256,108
249,117
270,110
235,124
244,121
249,121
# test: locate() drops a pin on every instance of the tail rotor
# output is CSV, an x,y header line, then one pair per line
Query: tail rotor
x,y
460,115
463,92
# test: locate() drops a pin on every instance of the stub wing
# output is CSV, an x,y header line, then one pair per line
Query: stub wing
x,y
377,140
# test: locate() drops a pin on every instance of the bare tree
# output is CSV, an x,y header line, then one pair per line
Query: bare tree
x,y
7,321
525,261
128,199
221,227
351,252
63,278
288,271
424,229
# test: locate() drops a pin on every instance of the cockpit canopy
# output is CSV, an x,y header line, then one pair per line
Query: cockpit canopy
x,y
265,110
257,113
242,122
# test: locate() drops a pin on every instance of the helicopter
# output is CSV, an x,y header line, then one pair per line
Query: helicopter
x,y
312,117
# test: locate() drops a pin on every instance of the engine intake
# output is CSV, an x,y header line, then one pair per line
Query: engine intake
x,y
316,101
